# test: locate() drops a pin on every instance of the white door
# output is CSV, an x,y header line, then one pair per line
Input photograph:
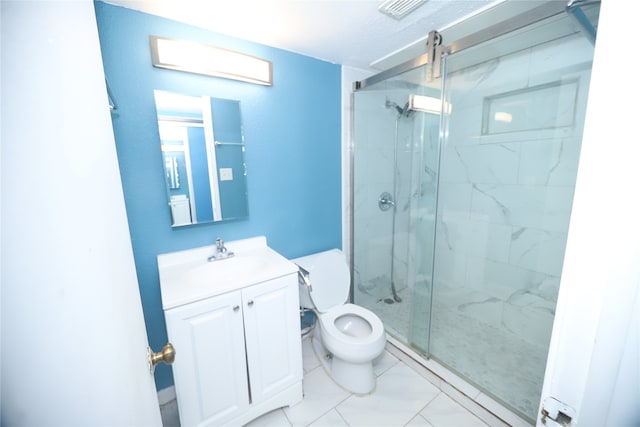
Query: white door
x,y
73,335
594,357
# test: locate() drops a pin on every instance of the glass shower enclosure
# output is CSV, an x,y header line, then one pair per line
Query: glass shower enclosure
x,y
462,193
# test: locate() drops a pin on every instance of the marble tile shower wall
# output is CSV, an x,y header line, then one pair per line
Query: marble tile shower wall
x,y
423,216
408,172
414,193
374,173
505,198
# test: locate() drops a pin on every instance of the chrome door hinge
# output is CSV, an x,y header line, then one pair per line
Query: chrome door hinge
x,y
555,413
434,50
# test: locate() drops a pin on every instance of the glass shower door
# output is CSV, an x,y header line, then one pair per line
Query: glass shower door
x,y
507,176
395,174
460,219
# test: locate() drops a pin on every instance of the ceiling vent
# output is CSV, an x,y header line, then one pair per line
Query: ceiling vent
x,y
398,9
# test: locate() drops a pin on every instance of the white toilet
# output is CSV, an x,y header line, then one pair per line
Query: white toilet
x,y
347,338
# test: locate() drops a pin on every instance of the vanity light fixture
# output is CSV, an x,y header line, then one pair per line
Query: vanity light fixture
x,y
193,57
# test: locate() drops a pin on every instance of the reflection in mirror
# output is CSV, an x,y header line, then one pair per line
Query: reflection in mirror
x,y
203,153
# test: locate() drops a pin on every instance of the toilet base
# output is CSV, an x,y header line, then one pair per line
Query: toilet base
x,y
356,378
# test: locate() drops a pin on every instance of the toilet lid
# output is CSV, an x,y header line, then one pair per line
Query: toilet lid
x,y
330,279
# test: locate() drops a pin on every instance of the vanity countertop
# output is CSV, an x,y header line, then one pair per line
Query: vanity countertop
x,y
186,276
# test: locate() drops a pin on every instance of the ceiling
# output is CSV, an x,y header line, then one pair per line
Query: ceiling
x,y
347,32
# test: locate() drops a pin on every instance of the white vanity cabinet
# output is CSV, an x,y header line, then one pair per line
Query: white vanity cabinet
x,y
272,337
210,375
238,349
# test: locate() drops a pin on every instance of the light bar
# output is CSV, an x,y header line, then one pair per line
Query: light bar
x,y
192,57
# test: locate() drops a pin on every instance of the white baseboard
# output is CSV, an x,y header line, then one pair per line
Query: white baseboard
x,y
166,395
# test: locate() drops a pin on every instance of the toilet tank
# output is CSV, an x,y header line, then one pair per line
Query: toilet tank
x,y
330,279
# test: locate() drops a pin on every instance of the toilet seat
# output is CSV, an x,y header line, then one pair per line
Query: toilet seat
x,y
330,279
359,349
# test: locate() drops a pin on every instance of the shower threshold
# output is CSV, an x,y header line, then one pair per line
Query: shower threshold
x,y
471,398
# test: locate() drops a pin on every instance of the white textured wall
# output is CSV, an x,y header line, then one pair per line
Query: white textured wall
x,y
594,356
73,335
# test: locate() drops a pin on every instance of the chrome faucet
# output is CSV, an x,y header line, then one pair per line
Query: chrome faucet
x,y
221,252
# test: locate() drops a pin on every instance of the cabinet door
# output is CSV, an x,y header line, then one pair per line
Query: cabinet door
x,y
209,369
272,333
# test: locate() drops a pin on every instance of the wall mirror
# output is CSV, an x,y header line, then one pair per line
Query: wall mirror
x,y
203,155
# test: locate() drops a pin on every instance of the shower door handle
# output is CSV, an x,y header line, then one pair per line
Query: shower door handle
x,y
385,201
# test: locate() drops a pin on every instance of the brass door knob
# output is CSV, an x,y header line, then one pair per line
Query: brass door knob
x,y
167,355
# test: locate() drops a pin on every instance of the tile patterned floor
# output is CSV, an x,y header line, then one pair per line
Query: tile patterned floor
x,y
402,397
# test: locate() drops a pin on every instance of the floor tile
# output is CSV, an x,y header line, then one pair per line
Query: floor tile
x,y
309,359
403,397
445,412
385,361
275,418
321,394
472,406
330,419
419,421
399,395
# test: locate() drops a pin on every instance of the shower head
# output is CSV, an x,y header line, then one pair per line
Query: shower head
x,y
402,111
408,110
391,104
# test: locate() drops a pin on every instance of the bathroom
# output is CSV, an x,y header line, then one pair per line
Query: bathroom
x,y
61,239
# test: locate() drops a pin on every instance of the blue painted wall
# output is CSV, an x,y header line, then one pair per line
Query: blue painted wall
x,y
292,133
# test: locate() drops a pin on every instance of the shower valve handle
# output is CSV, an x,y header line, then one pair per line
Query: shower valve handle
x,y
385,201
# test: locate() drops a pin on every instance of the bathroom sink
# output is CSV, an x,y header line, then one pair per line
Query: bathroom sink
x,y
235,268
187,276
